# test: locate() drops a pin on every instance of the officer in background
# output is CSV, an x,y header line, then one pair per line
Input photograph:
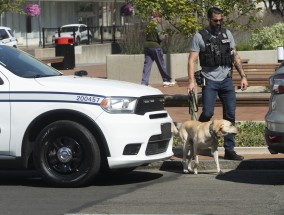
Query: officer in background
x,y
215,47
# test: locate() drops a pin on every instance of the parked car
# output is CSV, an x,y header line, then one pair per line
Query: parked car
x,y
7,37
274,132
82,34
71,127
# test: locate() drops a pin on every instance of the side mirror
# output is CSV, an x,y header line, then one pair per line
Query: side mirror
x,y
81,73
1,81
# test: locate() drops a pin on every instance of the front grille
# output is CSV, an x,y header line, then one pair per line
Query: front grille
x,y
159,143
149,103
158,147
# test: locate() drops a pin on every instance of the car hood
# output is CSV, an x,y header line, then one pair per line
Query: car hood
x,y
97,86
65,34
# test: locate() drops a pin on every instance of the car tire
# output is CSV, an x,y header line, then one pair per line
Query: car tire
x,y
66,154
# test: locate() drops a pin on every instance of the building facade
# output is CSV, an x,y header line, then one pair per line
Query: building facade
x,y
94,13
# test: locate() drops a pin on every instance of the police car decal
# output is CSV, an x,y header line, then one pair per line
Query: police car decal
x,y
61,97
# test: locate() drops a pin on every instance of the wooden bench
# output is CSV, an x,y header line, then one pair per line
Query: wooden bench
x,y
242,99
49,60
257,75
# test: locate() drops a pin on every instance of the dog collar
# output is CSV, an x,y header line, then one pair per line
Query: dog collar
x,y
212,132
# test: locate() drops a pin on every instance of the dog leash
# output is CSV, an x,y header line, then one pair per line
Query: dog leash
x,y
192,105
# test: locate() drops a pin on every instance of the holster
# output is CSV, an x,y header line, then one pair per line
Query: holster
x,y
199,78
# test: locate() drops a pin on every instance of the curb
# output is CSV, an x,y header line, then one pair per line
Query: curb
x,y
261,164
258,163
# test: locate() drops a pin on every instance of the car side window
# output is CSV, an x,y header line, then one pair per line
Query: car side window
x,y
83,28
3,34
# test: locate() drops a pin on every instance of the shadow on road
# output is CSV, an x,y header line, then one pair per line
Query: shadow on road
x,y
263,177
133,177
21,177
33,179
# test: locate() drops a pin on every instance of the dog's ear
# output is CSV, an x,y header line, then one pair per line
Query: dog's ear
x,y
218,125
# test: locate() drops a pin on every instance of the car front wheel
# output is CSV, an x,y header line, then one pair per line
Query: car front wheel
x,y
66,154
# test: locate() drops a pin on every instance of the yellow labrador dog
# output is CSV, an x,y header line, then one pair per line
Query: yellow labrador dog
x,y
197,135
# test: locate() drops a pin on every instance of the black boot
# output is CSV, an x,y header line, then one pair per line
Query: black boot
x,y
232,155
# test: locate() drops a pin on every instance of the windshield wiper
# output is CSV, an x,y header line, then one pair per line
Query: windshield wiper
x,y
44,76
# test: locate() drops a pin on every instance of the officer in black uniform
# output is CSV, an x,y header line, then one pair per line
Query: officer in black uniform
x,y
215,47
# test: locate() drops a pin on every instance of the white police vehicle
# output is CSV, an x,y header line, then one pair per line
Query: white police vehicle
x,y
70,127
7,37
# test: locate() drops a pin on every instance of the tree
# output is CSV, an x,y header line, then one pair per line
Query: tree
x,y
188,16
14,6
277,5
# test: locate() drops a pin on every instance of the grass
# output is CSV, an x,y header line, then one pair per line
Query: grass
x,y
251,134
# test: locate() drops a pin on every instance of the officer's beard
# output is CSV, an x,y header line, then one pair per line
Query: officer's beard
x,y
215,29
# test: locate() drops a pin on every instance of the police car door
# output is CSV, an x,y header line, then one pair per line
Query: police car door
x,y
4,115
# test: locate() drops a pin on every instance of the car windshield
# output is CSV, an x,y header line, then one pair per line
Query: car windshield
x,y
24,65
69,29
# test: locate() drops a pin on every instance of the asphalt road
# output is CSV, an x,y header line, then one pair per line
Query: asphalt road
x,y
148,192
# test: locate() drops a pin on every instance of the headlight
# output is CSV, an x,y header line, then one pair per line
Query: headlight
x,y
119,105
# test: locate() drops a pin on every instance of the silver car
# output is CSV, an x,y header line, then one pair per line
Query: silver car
x,y
274,131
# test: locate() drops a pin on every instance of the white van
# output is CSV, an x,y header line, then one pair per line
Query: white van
x,y
7,37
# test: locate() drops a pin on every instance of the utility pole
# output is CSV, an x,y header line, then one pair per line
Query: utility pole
x,y
39,26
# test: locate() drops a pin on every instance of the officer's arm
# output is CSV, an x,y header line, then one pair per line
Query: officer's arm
x,y
238,64
192,60
239,68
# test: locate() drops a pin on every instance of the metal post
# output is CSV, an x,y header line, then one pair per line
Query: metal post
x,y
39,27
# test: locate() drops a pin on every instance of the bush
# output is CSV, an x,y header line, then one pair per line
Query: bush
x,y
134,37
268,37
244,47
251,134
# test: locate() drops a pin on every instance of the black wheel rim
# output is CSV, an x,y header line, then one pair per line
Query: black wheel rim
x,y
64,155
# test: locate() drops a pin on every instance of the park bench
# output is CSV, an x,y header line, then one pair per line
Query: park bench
x,y
50,60
257,75
242,99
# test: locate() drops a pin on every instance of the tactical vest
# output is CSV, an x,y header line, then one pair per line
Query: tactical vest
x,y
217,49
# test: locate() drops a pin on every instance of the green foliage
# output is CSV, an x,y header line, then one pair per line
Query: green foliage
x,y
133,39
187,17
251,134
244,47
268,37
15,6
176,44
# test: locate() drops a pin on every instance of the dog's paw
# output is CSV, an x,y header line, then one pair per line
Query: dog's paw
x,y
220,173
185,171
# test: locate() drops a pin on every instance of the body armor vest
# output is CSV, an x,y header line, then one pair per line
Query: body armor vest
x,y
217,50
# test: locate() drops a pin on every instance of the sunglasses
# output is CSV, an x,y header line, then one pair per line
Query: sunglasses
x,y
217,20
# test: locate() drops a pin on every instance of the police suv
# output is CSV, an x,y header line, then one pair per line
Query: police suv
x,y
70,128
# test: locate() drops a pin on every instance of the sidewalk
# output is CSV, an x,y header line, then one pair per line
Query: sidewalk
x,y
254,158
